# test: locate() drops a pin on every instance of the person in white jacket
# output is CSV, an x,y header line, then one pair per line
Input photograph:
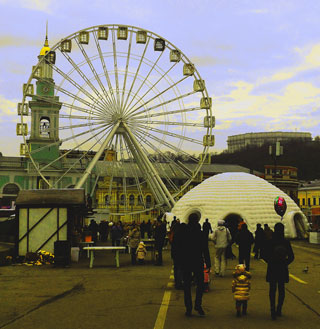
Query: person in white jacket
x,y
221,238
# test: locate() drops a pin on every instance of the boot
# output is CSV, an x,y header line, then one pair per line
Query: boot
x,y
273,314
278,312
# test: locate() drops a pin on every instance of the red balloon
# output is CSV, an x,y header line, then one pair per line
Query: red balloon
x,y
280,205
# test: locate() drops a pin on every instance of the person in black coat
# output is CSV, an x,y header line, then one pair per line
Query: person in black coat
x,y
244,240
278,254
175,245
259,240
160,232
206,228
193,252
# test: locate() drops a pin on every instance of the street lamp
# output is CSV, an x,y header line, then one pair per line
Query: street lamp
x,y
275,151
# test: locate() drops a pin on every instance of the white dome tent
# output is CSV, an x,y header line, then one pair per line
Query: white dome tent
x,y
236,195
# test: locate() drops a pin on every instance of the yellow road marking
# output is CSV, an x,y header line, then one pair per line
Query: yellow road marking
x,y
161,318
170,285
297,279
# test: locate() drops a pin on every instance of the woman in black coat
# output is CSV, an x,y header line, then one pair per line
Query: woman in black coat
x,y
278,254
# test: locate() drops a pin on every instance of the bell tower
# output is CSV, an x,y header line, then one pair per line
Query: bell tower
x,y
45,109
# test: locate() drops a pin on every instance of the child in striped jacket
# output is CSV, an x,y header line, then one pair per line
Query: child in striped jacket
x,y
240,288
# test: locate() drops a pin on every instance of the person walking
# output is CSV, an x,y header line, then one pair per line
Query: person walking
x,y
160,232
259,238
193,252
206,228
278,255
267,232
244,240
134,239
116,234
175,245
221,239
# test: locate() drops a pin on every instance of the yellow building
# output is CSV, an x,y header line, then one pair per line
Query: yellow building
x,y
309,202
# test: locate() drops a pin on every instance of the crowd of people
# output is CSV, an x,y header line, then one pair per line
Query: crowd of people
x,y
191,258
130,235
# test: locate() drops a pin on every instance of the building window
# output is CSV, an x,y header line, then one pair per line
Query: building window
x,y
314,201
107,200
131,200
122,199
303,201
309,202
45,127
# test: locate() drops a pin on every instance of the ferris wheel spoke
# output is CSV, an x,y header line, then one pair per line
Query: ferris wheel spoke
x,y
146,170
137,114
68,93
152,87
113,101
169,145
75,84
152,146
174,163
170,123
126,71
166,195
97,78
167,133
70,167
87,81
136,75
81,125
70,151
78,117
156,96
170,112
79,99
61,141
115,63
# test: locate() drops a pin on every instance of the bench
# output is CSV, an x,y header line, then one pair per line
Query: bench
x,y
93,249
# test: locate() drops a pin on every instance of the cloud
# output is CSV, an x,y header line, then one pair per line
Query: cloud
x,y
14,41
309,60
38,5
8,111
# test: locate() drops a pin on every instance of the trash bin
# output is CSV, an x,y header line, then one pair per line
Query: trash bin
x,y
75,254
62,253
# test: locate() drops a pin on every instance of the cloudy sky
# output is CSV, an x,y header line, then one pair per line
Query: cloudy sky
x,y
260,59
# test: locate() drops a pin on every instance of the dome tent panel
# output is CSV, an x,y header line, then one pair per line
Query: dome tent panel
x,y
247,195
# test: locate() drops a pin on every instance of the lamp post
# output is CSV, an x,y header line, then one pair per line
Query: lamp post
x,y
275,151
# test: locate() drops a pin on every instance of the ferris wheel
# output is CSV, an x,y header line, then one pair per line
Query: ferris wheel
x,y
122,91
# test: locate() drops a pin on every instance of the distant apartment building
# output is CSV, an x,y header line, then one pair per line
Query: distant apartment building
x,y
238,142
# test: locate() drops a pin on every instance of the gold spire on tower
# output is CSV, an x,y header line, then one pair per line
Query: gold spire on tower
x,y
45,49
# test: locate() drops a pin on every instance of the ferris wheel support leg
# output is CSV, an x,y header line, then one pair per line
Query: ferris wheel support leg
x,y
96,157
163,188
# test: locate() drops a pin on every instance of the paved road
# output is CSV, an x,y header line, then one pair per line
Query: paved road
x,y
143,296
